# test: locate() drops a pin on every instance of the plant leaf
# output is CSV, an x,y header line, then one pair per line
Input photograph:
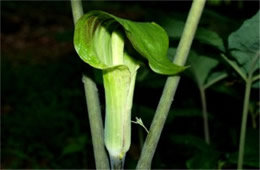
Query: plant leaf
x,y
235,67
93,34
256,84
201,67
244,43
210,37
215,77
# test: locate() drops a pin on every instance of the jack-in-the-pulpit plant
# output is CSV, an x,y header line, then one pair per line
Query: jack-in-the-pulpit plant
x,y
99,39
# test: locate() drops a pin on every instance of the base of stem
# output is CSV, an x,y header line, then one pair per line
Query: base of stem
x,y
117,163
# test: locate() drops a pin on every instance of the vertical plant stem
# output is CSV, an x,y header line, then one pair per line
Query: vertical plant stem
x,y
117,163
94,112
205,114
170,87
243,125
77,10
95,121
242,139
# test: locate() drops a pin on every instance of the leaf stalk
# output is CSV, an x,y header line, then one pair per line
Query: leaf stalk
x,y
205,115
242,139
243,124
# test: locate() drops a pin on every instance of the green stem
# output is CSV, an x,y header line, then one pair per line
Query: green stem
x,y
117,163
94,112
170,87
257,77
235,67
95,121
77,10
208,84
243,124
205,115
242,139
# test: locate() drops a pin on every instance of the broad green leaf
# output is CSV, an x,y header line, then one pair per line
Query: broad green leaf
x,y
92,40
244,44
201,67
210,37
210,78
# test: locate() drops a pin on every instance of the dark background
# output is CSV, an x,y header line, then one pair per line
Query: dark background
x,y
44,121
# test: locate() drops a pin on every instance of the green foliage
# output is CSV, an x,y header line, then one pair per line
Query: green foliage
x,y
214,77
92,41
201,67
209,37
244,48
244,44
